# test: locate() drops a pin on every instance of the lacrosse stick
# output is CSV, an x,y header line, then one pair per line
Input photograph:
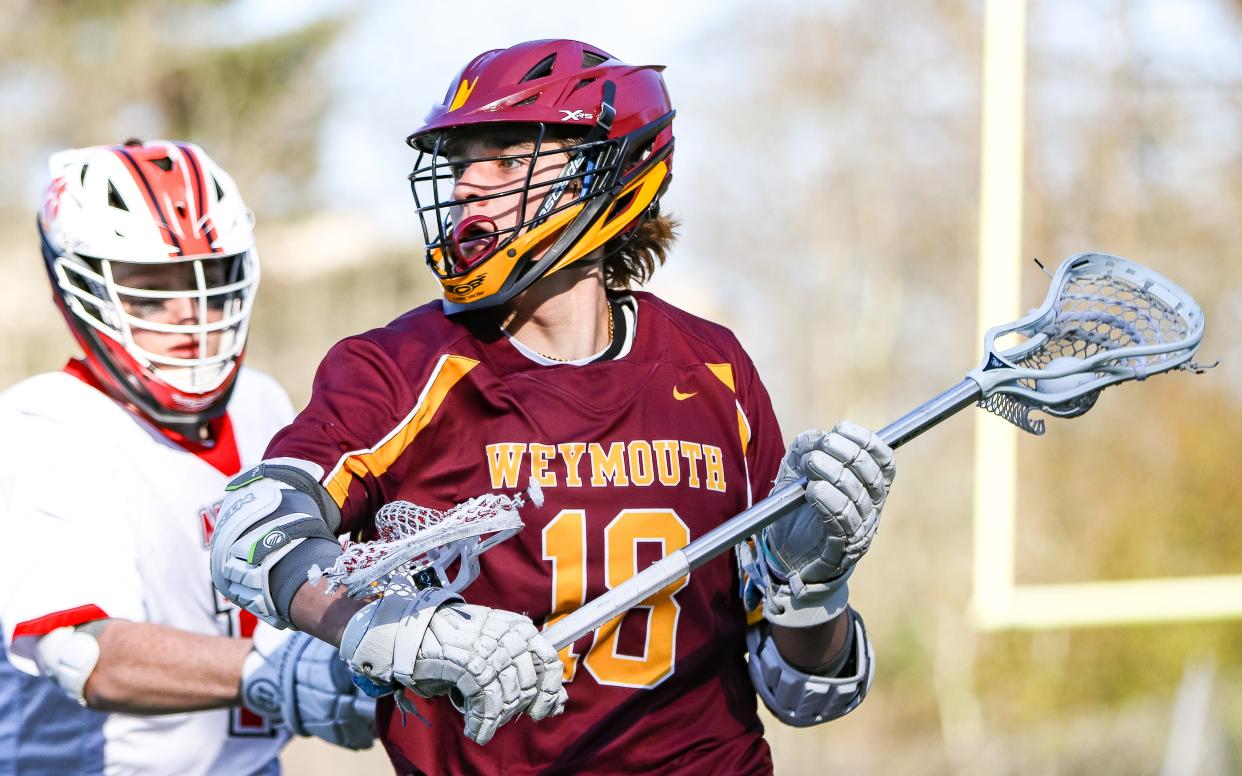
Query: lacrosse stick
x,y
423,544
1105,320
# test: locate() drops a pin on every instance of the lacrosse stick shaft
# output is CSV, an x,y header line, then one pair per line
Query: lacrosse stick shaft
x,y
637,588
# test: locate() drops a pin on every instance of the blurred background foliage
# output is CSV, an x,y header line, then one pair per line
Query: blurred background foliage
x,y
827,179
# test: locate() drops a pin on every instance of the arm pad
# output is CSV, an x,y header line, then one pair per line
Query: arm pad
x,y
801,699
276,521
68,656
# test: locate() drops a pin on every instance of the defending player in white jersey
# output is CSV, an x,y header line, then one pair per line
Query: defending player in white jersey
x,y
110,480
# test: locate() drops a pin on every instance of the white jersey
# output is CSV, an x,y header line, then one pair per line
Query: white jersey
x,y
101,515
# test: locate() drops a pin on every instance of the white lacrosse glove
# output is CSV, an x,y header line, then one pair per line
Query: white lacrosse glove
x,y
300,682
811,552
493,663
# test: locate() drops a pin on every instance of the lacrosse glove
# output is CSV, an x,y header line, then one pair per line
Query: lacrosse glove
x,y
298,681
494,664
811,552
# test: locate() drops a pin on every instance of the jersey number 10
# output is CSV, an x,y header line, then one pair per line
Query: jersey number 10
x,y
565,545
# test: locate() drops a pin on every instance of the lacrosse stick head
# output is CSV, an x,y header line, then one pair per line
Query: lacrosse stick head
x,y
424,545
1105,320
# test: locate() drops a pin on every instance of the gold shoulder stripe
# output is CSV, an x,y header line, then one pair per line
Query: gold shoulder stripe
x,y
378,459
724,373
743,428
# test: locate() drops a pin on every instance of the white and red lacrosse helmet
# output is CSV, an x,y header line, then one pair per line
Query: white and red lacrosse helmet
x,y
110,208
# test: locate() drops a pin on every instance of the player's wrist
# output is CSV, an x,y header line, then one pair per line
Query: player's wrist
x,y
821,650
796,604
290,572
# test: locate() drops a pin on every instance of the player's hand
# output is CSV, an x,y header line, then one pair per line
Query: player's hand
x,y
494,663
849,471
300,682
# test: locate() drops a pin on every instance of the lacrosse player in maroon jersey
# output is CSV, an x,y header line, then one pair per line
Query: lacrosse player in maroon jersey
x,y
538,181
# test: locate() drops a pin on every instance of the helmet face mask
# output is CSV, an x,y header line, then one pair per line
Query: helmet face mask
x,y
592,137
150,253
185,321
559,175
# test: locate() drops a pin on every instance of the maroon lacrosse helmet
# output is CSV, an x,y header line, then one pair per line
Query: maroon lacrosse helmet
x,y
617,167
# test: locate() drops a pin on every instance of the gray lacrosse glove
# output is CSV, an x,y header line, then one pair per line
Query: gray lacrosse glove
x,y
493,663
811,552
300,682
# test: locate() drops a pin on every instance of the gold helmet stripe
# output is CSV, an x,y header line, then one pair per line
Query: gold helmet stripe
x,y
463,93
609,224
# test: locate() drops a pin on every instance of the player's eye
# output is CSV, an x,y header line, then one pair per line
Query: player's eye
x,y
221,301
146,308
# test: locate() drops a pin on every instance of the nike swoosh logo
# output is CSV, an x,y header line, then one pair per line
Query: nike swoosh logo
x,y
679,396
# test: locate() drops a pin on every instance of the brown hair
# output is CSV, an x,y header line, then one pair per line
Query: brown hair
x,y
633,257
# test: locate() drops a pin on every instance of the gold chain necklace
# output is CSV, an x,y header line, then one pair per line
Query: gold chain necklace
x,y
567,360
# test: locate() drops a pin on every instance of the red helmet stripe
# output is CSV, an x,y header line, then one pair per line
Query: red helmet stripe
x,y
200,193
152,202
175,190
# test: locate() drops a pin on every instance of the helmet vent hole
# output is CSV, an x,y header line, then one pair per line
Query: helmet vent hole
x,y
583,83
592,58
622,204
541,70
219,191
528,101
164,163
114,198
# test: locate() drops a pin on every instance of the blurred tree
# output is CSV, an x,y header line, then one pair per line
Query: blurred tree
x,y
82,72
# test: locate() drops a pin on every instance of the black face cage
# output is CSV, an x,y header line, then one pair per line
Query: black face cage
x,y
596,164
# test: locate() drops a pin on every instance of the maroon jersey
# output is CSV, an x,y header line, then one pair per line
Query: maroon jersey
x,y
636,457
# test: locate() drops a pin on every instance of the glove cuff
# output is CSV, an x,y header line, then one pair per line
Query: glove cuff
x,y
381,640
288,683
797,604
260,683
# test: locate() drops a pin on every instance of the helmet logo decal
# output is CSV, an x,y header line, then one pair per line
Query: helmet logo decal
x,y
463,93
51,200
576,115
192,403
468,286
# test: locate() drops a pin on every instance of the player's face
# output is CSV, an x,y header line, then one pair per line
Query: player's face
x,y
176,311
473,181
